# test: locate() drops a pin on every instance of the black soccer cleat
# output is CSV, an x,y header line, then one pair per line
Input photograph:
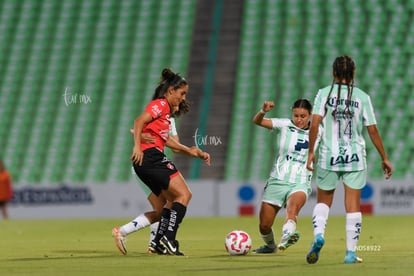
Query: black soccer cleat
x,y
172,246
157,248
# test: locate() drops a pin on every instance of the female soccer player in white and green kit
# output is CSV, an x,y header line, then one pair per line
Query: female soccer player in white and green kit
x,y
342,110
289,182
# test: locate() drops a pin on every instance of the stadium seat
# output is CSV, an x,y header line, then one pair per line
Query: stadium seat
x,y
97,48
114,52
382,52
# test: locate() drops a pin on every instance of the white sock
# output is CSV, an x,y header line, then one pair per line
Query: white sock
x,y
269,239
353,230
153,232
320,218
138,223
288,227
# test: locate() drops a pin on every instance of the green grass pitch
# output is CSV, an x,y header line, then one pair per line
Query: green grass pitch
x,y
85,247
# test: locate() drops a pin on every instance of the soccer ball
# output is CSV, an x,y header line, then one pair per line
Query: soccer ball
x,y
238,242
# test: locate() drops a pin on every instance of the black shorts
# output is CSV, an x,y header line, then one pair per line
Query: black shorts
x,y
156,170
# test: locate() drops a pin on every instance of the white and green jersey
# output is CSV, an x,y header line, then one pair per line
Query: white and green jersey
x,y
173,132
342,146
293,143
173,128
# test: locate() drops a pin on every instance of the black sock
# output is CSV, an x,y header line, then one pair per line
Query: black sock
x,y
162,226
176,217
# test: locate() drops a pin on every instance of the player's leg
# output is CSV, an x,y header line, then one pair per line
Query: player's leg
x,y
145,219
273,199
155,246
321,211
267,216
180,195
319,221
294,204
157,202
326,182
140,222
353,184
3,206
157,206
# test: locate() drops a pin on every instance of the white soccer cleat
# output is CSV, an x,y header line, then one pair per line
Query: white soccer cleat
x,y
120,240
288,240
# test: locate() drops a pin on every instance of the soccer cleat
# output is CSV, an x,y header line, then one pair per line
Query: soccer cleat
x,y
157,248
120,240
351,258
313,254
151,250
265,249
172,246
288,240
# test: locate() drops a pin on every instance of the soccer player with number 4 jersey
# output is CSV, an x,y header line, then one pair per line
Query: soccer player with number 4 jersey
x,y
341,111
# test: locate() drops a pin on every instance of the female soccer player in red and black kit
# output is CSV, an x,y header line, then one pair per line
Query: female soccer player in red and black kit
x,y
153,167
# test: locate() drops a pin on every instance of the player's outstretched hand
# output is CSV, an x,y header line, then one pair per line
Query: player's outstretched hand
x,y
387,168
206,157
196,152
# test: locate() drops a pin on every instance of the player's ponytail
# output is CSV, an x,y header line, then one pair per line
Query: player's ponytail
x,y
168,78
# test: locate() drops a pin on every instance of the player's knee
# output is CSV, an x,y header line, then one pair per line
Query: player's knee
x,y
187,195
265,228
183,197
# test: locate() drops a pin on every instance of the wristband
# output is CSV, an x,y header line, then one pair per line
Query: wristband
x,y
262,111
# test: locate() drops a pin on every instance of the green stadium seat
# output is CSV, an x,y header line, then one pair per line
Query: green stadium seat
x,y
113,50
382,52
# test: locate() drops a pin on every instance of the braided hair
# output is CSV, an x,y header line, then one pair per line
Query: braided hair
x,y
169,78
343,70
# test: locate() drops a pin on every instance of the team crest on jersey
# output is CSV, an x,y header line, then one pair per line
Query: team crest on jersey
x,y
170,166
302,144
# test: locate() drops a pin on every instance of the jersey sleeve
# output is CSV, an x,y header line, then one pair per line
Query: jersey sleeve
x,y
157,108
368,114
319,105
173,129
278,123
